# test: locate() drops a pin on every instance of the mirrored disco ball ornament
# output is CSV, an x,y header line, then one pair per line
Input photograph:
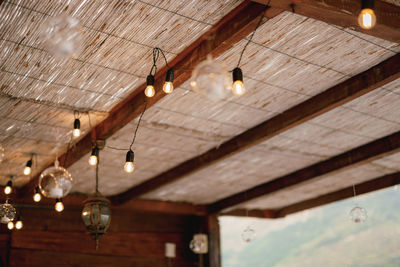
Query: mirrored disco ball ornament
x,y
2,154
248,235
211,79
358,215
55,182
62,35
7,213
197,245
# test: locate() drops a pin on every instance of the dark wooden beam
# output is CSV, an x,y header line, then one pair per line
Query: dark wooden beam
x,y
345,14
214,241
362,188
344,92
357,156
75,201
228,31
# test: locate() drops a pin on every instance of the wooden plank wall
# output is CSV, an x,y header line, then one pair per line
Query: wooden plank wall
x,y
134,239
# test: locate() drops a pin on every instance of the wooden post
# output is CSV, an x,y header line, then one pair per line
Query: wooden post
x,y
214,243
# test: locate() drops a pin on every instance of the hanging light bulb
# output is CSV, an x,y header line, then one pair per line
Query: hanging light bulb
x,y
28,167
10,225
8,188
238,86
149,91
94,156
1,153
59,205
37,196
18,223
168,85
367,18
77,128
129,165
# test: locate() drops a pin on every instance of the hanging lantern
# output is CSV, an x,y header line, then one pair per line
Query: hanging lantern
x,y
248,235
96,213
7,213
210,79
358,215
55,182
62,35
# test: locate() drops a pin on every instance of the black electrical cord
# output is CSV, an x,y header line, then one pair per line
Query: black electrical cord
x,y
137,126
251,37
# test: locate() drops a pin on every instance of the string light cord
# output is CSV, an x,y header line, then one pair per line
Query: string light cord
x,y
156,56
137,126
97,174
252,34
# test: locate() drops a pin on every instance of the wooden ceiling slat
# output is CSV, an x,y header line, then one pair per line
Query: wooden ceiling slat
x,y
344,92
345,13
357,156
235,26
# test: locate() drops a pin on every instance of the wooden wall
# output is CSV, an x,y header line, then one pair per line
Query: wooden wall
x,y
134,239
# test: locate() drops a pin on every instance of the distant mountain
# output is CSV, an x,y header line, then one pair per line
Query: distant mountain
x,y
320,237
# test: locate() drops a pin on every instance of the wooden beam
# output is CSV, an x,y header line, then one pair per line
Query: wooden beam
x,y
219,38
344,92
345,14
75,201
362,188
255,213
357,156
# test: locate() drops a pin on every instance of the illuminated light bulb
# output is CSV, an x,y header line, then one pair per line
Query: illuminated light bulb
x,y
77,128
129,165
94,156
10,225
149,91
238,86
168,85
59,205
37,196
8,188
19,224
367,18
28,167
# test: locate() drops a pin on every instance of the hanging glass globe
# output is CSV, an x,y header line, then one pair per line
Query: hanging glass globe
x,y
211,79
96,216
1,154
7,213
55,182
248,235
358,215
62,35
199,244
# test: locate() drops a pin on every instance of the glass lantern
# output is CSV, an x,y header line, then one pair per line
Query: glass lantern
x,y
211,79
7,213
248,235
96,216
62,35
358,215
55,182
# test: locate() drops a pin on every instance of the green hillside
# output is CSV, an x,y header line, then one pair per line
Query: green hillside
x,y
320,237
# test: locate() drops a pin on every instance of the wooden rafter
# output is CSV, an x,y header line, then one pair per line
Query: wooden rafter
x,y
357,156
344,92
219,38
345,13
345,193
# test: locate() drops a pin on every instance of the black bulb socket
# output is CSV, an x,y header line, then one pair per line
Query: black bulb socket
x,y
170,75
237,75
9,183
150,80
95,151
77,124
29,163
367,4
130,156
37,190
58,200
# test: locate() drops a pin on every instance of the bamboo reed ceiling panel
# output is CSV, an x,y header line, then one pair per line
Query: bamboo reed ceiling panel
x,y
277,77
394,2
326,184
39,92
